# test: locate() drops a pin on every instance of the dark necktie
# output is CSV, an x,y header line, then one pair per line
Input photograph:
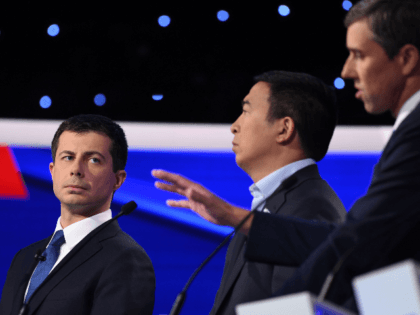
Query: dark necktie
x,y
44,267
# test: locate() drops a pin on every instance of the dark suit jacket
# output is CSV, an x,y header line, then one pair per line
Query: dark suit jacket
x,y
106,273
245,281
381,228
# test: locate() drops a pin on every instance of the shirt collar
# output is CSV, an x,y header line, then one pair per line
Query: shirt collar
x,y
267,185
75,232
406,109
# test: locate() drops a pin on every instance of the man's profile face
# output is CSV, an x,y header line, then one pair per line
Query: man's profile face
x,y
375,76
254,137
83,179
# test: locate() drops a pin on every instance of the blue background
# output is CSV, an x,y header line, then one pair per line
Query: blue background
x,y
176,240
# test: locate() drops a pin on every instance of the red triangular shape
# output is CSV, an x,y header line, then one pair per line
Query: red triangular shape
x,y
12,185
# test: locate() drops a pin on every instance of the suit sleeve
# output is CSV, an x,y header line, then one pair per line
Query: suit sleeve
x,y
8,293
376,224
127,285
284,240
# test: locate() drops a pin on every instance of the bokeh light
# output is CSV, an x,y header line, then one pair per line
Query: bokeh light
x,y
222,15
347,5
339,83
45,101
164,20
284,10
99,99
53,30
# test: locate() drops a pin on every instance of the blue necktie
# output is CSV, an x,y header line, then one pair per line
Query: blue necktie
x,y
44,267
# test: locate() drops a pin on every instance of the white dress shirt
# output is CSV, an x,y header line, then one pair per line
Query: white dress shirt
x,y
406,109
75,232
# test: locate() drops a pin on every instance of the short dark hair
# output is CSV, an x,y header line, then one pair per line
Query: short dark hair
x,y
309,102
394,23
99,124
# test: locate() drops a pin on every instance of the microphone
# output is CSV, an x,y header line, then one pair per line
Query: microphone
x,y
38,255
180,299
125,210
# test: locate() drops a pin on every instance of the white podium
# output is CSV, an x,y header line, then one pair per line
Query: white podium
x,y
391,290
294,304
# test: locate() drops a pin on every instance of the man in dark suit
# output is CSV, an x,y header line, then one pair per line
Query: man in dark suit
x,y
286,125
90,265
383,227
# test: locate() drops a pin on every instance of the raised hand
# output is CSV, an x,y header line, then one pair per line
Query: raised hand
x,y
199,199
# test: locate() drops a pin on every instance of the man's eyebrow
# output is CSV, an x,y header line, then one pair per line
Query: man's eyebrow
x,y
354,50
245,103
66,152
87,153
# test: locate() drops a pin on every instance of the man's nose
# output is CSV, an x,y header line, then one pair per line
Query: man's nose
x,y
234,128
346,72
77,169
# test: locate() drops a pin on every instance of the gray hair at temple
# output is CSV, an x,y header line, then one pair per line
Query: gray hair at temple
x,y
394,23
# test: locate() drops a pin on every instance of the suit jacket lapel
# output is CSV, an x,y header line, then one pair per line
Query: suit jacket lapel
x,y
88,247
411,121
277,199
232,268
30,267
236,248
237,261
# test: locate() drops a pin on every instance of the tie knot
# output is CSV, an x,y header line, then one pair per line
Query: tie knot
x,y
58,239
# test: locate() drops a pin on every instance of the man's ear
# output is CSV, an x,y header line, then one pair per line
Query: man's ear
x,y
409,58
285,129
120,176
51,168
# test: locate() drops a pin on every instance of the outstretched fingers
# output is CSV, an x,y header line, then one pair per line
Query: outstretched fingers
x,y
170,177
175,183
178,203
169,187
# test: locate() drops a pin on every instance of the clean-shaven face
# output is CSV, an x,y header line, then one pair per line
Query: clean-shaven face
x,y
376,77
254,137
82,174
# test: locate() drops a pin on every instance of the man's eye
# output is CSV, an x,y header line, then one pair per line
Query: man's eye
x,y
68,158
95,160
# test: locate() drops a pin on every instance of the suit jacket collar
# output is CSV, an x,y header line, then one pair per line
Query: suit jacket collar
x,y
410,122
274,203
29,266
407,108
86,248
277,199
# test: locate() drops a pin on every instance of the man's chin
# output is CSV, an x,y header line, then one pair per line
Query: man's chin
x,y
376,106
238,160
241,163
76,204
82,210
